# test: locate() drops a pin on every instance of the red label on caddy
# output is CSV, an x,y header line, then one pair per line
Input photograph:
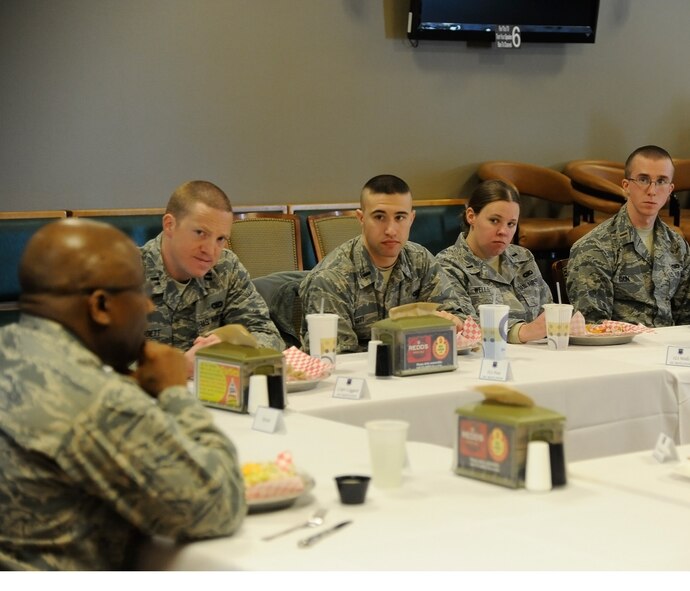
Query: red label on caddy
x,y
419,349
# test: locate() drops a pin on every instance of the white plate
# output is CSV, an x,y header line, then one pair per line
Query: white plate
x,y
466,350
274,503
603,339
300,385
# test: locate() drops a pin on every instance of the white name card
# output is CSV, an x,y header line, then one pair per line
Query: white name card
x,y
268,420
678,356
350,388
495,370
665,449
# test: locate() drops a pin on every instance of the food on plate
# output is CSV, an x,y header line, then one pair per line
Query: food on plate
x,y
294,375
266,480
602,329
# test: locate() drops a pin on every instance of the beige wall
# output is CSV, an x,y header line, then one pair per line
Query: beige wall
x,y
110,103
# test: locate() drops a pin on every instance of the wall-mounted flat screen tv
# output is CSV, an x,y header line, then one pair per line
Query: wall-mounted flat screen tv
x,y
540,21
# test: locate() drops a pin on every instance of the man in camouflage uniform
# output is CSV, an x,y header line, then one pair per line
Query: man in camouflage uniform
x,y
94,456
365,277
634,267
197,283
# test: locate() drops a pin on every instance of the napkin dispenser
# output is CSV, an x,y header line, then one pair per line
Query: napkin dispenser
x,y
492,435
418,344
222,373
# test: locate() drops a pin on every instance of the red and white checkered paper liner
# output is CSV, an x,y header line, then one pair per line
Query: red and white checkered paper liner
x,y
578,327
471,334
314,368
286,483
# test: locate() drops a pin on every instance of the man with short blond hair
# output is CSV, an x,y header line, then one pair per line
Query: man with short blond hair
x,y
198,284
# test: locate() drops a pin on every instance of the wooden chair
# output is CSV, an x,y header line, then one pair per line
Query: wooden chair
x,y
597,189
599,194
260,209
140,224
545,188
559,272
303,211
267,242
16,228
329,230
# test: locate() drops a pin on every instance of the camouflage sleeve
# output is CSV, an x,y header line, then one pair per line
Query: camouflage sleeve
x,y
589,281
163,466
438,287
680,303
244,305
336,296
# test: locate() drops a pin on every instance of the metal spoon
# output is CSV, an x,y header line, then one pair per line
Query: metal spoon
x,y
313,521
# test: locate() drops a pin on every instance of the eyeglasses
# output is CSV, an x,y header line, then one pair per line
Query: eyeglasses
x,y
644,182
143,288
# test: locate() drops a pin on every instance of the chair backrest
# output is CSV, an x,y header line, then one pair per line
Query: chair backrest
x,y
437,222
281,293
596,186
559,272
303,211
529,179
329,230
267,242
140,224
16,228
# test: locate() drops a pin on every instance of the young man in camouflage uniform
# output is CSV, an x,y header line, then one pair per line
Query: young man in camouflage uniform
x,y
634,267
197,283
94,456
365,277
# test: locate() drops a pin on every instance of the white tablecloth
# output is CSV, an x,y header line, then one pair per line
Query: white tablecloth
x,y
440,521
612,403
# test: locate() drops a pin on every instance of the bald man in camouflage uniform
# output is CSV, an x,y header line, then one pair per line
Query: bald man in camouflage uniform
x,y
634,267
93,456
365,277
197,283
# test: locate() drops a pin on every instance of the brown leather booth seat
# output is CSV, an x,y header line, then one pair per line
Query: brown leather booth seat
x,y
541,183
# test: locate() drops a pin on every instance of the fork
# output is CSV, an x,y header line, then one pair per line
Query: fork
x,y
314,521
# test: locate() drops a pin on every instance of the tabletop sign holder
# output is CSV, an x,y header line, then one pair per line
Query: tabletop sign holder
x,y
495,370
350,388
269,420
679,356
665,449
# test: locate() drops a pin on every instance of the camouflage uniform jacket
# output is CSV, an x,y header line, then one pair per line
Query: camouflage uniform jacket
x,y
610,274
90,462
520,284
225,295
351,286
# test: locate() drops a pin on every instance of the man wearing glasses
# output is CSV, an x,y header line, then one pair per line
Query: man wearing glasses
x,y
634,267
92,454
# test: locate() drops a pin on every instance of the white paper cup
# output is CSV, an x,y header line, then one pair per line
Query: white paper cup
x,y
323,336
258,393
387,450
493,320
538,469
558,325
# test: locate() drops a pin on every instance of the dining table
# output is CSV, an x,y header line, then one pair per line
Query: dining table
x,y
615,398
628,512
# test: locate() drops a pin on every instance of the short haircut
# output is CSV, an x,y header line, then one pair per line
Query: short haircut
x,y
652,152
386,184
491,191
189,193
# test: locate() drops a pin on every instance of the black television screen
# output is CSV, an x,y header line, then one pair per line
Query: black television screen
x,y
539,21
